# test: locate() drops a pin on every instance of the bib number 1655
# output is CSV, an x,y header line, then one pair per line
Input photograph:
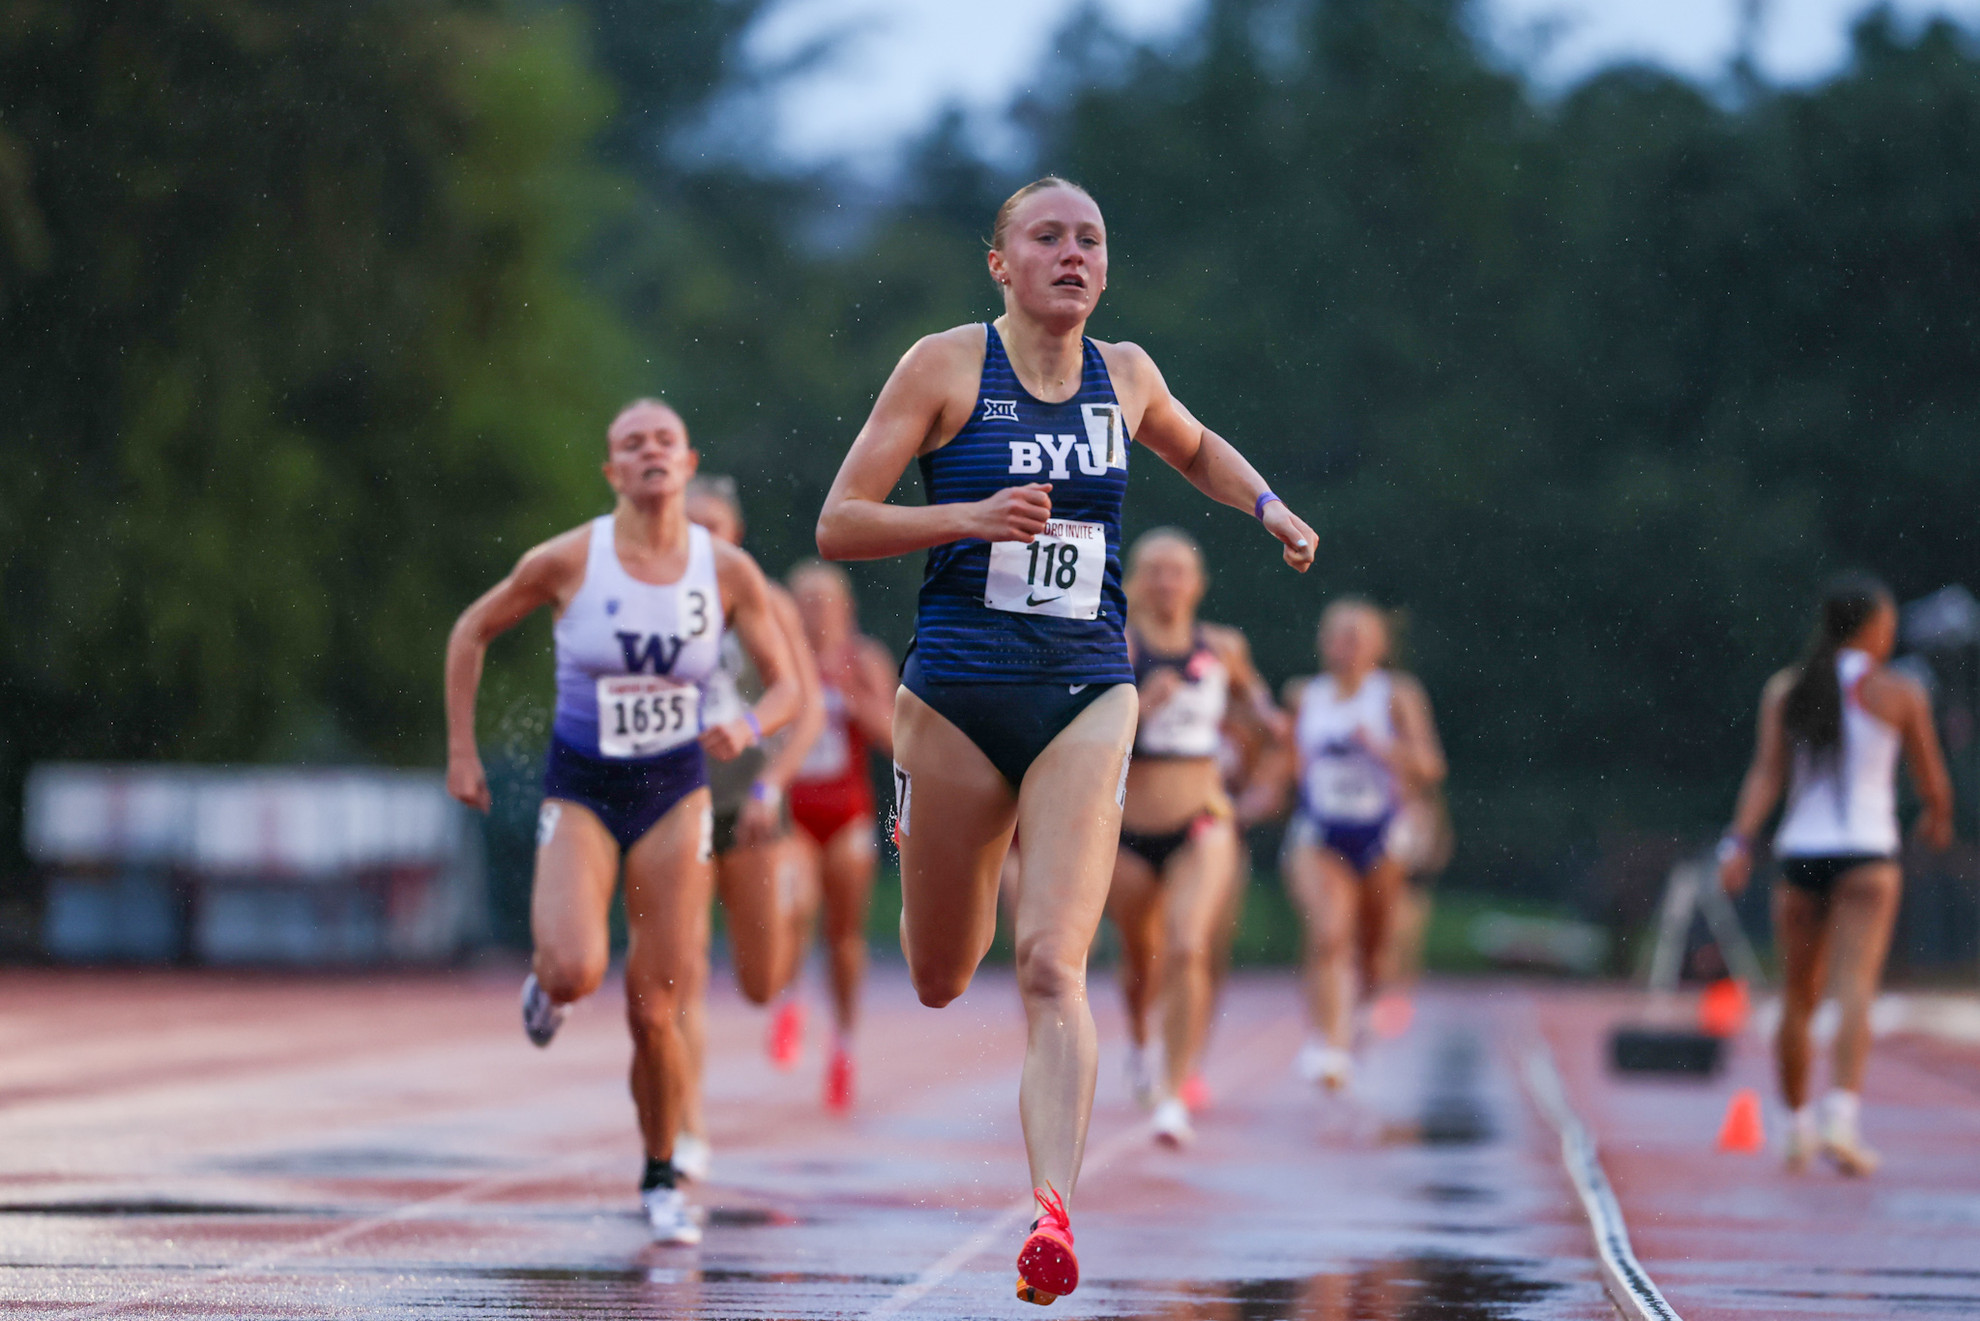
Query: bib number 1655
x,y
642,715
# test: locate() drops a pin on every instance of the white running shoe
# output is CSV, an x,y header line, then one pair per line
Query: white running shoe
x,y
1324,1065
670,1217
1172,1126
1141,1076
1846,1151
1801,1145
541,1015
693,1156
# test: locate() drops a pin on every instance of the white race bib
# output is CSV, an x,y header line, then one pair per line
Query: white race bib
x,y
643,715
1058,573
1348,791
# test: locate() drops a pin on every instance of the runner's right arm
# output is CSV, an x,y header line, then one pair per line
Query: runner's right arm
x,y
545,576
1262,795
758,819
746,602
1925,762
871,703
925,403
1766,780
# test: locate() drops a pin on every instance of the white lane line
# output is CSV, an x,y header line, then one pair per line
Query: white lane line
x,y
309,1247
1017,1213
1622,1274
1007,1220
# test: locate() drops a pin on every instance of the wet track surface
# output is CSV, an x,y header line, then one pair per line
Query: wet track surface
x,y
1737,1236
208,1146
256,1147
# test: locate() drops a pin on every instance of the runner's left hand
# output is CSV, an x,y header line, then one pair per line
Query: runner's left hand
x,y
1299,540
1935,831
728,741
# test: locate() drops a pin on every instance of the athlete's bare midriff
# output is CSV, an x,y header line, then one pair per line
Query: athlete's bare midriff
x,y
1167,793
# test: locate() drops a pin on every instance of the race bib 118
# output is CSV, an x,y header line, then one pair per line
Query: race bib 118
x,y
1058,573
643,715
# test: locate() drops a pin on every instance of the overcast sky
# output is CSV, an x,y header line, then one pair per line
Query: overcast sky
x,y
906,59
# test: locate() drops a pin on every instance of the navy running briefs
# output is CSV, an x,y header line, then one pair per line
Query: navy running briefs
x,y
1010,723
628,796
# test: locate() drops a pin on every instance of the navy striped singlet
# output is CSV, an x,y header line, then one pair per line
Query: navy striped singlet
x,y
1051,611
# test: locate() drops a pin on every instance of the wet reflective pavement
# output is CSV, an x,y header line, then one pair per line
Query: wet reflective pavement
x,y
198,1145
1738,1236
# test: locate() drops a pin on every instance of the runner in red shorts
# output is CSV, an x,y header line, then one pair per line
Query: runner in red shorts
x,y
832,796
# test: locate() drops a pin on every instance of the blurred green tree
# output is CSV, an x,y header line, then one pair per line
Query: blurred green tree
x,y
292,361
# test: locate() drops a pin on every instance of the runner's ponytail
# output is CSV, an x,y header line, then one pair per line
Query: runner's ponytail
x,y
1812,711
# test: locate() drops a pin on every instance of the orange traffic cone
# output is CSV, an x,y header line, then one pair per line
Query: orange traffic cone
x,y
1722,1009
1742,1130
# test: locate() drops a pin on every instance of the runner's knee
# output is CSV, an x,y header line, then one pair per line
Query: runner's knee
x,y
937,983
1050,969
653,1010
754,980
566,976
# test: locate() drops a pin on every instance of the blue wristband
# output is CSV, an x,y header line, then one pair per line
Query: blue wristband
x,y
755,725
1258,510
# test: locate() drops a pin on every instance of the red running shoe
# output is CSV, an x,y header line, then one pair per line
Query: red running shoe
x,y
1047,1268
1195,1094
1391,1015
785,1039
839,1081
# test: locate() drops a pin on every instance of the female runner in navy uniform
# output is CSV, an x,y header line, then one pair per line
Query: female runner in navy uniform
x,y
642,597
1017,705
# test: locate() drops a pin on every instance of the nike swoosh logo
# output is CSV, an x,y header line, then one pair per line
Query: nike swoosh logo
x,y
1076,688
1035,601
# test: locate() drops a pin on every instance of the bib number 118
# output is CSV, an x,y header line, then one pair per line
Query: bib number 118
x,y
1056,573
1053,564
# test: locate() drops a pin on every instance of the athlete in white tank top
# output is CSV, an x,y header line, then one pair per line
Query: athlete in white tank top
x,y
642,598
1837,843
1845,804
1364,737
1340,739
632,655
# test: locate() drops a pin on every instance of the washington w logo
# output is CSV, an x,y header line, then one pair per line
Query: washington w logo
x,y
1000,410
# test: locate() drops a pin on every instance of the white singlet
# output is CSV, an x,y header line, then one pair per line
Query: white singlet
x,y
1190,723
830,754
632,655
1340,779
1845,805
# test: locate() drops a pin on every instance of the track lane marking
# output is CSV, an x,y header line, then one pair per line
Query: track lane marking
x,y
311,1247
1014,1215
1629,1285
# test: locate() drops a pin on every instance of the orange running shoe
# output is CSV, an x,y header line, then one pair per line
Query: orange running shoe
x,y
1047,1268
784,1042
839,1081
1196,1094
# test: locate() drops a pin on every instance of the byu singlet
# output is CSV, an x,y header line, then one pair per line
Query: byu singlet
x,y
1050,611
631,655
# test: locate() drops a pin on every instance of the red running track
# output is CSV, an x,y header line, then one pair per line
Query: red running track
x,y
1737,1236
216,1145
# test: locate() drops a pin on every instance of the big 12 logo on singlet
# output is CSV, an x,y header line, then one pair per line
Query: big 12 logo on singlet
x,y
1059,572
1104,447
